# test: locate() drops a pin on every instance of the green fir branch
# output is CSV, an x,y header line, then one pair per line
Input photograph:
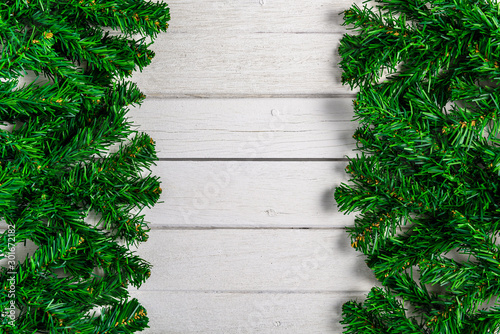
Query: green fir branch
x,y
425,180
56,170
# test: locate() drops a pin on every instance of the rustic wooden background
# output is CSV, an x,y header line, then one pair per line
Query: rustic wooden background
x,y
252,128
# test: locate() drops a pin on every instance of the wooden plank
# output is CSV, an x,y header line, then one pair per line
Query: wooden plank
x,y
179,312
248,194
254,260
286,16
243,64
248,128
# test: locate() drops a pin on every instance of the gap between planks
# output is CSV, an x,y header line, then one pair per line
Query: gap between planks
x,y
259,159
156,96
260,292
189,228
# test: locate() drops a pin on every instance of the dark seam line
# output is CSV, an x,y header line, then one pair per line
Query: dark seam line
x,y
257,159
156,227
153,96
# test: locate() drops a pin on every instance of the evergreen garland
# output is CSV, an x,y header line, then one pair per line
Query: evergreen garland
x,y
426,179
55,169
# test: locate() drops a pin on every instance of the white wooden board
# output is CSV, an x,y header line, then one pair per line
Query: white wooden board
x,y
258,16
254,260
251,273
178,312
249,194
248,48
248,128
237,64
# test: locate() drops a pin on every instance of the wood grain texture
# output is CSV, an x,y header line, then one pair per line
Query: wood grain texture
x,y
237,64
248,48
260,260
248,194
178,312
248,128
227,253
257,16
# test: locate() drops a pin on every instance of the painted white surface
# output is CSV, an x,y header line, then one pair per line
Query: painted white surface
x,y
242,64
257,16
182,312
248,48
277,260
249,127
249,194
250,119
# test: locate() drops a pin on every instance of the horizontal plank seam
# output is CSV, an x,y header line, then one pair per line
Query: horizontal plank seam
x,y
288,292
198,228
173,227
156,96
258,159
198,33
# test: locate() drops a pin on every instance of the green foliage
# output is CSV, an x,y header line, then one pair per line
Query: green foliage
x,y
55,169
426,179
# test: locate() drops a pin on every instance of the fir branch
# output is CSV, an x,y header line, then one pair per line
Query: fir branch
x,y
428,161
55,168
